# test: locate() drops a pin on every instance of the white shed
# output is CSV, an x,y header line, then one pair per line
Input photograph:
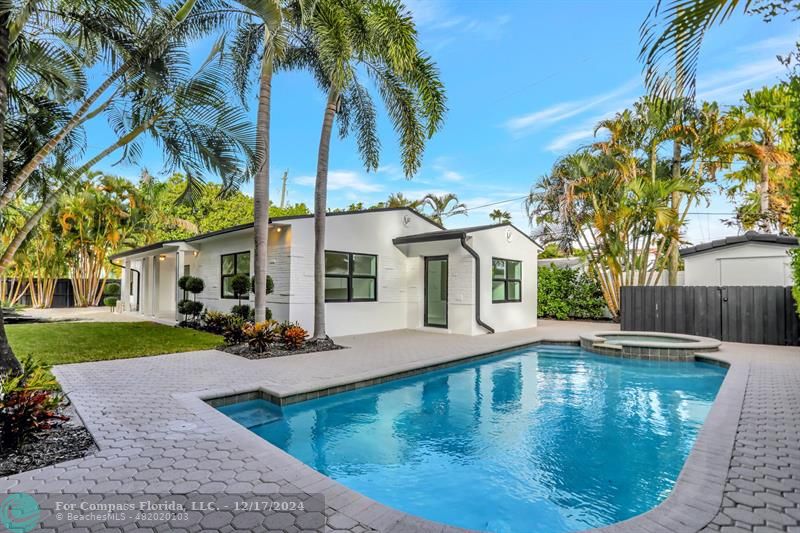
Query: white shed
x,y
750,259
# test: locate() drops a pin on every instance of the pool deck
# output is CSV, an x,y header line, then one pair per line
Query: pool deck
x,y
157,435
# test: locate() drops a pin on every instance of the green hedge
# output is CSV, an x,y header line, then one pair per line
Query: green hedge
x,y
566,293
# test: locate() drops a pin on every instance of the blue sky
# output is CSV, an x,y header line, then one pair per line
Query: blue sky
x,y
526,82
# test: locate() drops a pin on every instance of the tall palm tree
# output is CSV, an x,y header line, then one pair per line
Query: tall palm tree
x,y
500,216
379,37
398,199
443,206
673,33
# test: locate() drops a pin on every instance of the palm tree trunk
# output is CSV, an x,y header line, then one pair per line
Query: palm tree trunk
x,y
8,361
320,210
763,193
261,188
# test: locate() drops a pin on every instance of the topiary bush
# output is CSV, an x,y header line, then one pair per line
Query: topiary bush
x,y
195,286
267,314
240,285
566,293
190,308
111,292
243,311
182,282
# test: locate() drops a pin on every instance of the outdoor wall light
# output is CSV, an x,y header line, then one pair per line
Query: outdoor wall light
x,y
162,257
194,253
278,229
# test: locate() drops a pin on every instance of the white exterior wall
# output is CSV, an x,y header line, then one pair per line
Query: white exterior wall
x,y
748,263
368,233
507,243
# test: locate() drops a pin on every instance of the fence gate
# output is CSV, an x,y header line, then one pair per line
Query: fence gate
x,y
761,315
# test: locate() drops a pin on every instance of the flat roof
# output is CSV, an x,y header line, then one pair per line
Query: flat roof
x,y
750,236
455,233
249,225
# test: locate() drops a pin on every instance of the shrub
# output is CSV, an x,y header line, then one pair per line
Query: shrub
x,y
569,293
294,337
29,402
260,335
240,285
110,301
112,289
190,308
242,311
233,332
270,284
215,321
195,285
182,282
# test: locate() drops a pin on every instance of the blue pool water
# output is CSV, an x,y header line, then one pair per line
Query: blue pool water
x,y
546,438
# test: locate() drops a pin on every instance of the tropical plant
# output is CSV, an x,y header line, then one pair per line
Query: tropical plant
x,y
29,403
233,332
500,216
260,335
443,206
294,337
215,321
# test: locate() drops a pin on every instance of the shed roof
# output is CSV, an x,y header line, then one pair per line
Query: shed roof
x,y
750,236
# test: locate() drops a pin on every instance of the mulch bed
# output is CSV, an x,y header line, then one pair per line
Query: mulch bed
x,y
243,350
70,440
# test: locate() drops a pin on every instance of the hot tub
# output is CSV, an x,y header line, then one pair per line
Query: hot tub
x,y
648,344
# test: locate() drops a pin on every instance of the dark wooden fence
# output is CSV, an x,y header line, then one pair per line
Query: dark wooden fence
x,y
761,315
63,296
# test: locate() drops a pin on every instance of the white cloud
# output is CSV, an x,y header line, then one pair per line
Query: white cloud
x,y
727,85
437,16
564,110
569,139
343,179
452,175
779,44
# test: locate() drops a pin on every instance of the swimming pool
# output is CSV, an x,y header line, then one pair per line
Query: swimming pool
x,y
545,438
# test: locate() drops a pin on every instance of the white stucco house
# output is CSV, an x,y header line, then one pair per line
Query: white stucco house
x,y
386,269
750,259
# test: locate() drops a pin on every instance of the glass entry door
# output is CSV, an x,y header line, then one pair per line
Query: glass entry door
x,y
436,291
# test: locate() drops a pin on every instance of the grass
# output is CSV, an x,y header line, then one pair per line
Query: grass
x,y
77,342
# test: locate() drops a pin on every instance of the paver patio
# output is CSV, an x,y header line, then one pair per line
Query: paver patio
x,y
156,435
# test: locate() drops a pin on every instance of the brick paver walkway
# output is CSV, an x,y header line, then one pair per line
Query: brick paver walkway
x,y
156,436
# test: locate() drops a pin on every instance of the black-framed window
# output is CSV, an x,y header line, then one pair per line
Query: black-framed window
x,y
506,280
351,277
231,265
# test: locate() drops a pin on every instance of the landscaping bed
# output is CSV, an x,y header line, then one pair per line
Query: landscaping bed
x,y
64,442
277,350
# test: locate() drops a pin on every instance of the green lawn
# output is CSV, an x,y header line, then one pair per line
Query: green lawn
x,y
76,342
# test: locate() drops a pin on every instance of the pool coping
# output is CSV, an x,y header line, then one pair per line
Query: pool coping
x,y
692,504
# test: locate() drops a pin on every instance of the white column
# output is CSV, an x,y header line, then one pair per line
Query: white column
x,y
154,286
125,286
180,260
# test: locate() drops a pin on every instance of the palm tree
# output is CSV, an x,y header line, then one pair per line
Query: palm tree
x,y
378,36
500,216
672,36
398,199
443,206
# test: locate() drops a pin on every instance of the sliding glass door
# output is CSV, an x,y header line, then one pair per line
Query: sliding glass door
x,y
436,291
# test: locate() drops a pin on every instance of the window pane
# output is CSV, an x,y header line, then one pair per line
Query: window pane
x,y
514,269
336,288
364,265
243,263
336,263
228,265
498,290
363,289
514,290
498,268
227,290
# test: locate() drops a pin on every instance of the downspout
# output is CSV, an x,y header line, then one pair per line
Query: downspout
x,y
477,258
138,281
